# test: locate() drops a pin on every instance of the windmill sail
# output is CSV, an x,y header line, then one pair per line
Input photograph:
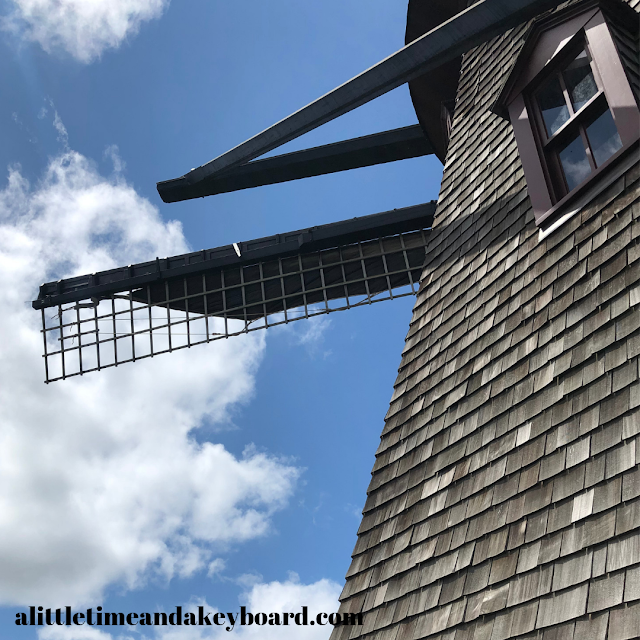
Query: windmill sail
x,y
139,311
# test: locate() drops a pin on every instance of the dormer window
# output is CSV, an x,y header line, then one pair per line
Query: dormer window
x,y
571,106
576,129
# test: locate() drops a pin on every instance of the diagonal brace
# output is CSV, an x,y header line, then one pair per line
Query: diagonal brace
x,y
389,146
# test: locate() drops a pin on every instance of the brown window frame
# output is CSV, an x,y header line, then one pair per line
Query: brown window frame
x,y
556,44
550,144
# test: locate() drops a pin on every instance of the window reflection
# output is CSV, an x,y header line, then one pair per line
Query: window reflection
x,y
568,100
580,82
552,105
603,138
575,163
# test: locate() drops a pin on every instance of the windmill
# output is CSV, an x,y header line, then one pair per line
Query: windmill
x,y
141,310
504,500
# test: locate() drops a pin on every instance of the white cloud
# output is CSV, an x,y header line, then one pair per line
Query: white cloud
x,y
100,479
290,596
82,28
273,597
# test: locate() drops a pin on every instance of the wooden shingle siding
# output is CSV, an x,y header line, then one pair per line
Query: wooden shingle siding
x,y
505,496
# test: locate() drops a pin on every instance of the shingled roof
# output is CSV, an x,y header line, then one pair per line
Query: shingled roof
x,y
430,91
623,13
505,495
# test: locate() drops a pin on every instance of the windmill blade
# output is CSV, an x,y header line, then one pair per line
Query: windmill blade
x,y
139,311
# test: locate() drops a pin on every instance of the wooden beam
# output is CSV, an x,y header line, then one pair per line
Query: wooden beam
x,y
398,144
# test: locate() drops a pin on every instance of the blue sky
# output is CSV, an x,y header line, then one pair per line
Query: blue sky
x,y
234,473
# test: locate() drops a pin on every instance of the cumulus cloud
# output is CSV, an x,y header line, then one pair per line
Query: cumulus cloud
x,y
289,596
101,480
272,597
82,28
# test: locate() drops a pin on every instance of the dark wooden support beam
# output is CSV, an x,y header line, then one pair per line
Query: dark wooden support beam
x,y
378,148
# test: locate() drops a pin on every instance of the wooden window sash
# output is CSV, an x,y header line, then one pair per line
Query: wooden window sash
x,y
545,178
549,144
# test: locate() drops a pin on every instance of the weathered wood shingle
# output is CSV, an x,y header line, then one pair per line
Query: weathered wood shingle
x,y
504,499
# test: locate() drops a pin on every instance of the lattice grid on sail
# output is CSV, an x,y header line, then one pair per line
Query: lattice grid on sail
x,y
181,312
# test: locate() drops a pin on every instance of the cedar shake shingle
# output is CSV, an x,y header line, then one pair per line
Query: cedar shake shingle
x,y
504,496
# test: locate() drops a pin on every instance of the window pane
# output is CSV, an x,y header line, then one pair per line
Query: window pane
x,y
603,138
575,163
552,105
580,82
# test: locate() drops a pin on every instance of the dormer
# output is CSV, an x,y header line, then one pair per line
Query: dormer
x,y
572,99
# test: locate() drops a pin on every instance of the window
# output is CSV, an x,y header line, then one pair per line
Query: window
x,y
574,123
571,106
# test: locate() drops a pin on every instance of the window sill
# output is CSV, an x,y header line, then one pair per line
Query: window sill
x,y
596,183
